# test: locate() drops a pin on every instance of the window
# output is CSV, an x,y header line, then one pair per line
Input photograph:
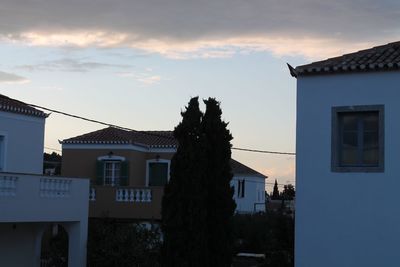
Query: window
x,y
158,173
241,189
112,171
357,139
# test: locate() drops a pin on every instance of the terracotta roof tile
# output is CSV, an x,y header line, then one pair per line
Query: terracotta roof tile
x,y
14,106
379,58
111,135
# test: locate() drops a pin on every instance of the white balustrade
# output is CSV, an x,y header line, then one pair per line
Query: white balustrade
x,y
92,194
8,186
55,188
133,195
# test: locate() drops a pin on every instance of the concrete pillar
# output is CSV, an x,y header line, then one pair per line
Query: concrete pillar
x,y
77,237
39,229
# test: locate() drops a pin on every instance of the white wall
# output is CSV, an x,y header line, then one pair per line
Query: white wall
x,y
346,219
254,193
32,202
24,140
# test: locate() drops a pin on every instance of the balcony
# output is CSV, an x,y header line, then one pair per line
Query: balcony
x,y
30,204
142,203
36,198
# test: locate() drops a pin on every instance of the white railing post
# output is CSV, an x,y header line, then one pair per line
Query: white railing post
x,y
8,186
54,188
133,195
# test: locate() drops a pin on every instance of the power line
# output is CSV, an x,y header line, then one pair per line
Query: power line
x,y
128,129
265,151
80,117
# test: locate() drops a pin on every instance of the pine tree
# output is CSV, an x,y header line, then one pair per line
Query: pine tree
x,y
275,193
184,211
220,205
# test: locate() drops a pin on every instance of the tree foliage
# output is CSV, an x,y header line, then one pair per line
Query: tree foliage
x,y
275,193
271,234
197,205
112,243
288,192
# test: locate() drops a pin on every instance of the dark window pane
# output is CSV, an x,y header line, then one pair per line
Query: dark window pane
x,y
371,121
371,156
350,139
349,156
349,121
371,140
158,174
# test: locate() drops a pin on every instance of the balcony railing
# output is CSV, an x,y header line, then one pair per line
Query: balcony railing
x,y
125,202
127,194
31,198
133,195
8,185
54,188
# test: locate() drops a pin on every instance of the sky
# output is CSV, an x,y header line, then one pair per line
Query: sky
x,y
137,63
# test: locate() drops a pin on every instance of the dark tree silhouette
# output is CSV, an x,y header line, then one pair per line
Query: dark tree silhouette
x,y
184,212
220,205
197,206
275,193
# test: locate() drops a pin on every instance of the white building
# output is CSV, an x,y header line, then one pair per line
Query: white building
x,y
29,202
347,164
249,186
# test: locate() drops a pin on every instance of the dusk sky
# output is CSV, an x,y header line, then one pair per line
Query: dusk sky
x,y
137,63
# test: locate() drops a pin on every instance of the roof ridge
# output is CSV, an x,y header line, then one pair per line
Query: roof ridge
x,y
378,58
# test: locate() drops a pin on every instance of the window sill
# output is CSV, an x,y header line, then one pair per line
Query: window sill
x,y
357,169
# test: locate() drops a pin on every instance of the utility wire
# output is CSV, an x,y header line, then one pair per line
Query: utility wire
x,y
265,151
128,129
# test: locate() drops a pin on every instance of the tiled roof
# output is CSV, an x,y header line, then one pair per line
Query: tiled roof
x,y
14,106
239,168
379,58
151,139
111,135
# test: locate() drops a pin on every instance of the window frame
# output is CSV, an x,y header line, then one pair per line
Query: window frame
x,y
114,178
165,161
241,188
336,137
111,159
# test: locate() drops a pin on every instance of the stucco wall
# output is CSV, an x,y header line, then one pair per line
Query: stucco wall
x,y
82,162
345,219
24,139
18,245
254,193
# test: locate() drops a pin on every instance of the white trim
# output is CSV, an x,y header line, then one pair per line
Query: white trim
x,y
21,116
157,161
121,146
111,158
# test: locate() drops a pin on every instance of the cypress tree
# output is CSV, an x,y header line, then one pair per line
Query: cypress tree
x,y
218,174
184,211
275,193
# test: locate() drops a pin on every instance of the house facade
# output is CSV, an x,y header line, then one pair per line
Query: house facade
x,y
347,170
128,171
31,203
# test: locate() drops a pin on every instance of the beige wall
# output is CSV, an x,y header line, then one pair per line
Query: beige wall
x,y
82,163
106,206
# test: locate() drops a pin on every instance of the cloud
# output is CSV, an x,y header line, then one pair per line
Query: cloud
x,y
70,65
9,78
219,28
145,78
